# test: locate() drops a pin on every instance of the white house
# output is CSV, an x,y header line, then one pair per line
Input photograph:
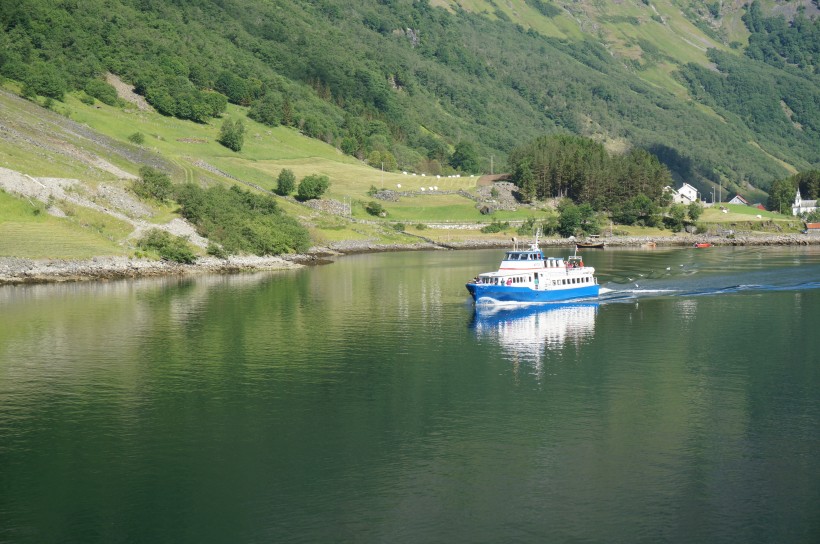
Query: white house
x,y
685,195
801,206
738,199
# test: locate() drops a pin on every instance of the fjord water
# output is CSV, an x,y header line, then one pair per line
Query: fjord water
x,y
367,401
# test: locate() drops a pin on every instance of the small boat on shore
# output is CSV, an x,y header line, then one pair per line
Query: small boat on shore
x,y
528,276
590,245
702,244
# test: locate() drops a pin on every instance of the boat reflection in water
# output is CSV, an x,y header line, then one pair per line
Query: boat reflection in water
x,y
529,332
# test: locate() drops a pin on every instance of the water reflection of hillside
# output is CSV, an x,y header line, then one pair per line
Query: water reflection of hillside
x,y
530,332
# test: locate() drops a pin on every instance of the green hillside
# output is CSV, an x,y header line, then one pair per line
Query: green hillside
x,y
725,95
412,79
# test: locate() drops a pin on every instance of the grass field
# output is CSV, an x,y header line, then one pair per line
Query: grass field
x,y
26,231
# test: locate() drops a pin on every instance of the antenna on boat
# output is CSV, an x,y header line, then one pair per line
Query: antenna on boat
x,y
534,245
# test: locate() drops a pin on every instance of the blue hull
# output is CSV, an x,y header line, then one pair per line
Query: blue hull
x,y
503,293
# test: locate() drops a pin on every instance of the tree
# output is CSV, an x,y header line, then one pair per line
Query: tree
x,y
312,186
695,210
465,158
102,91
153,183
169,247
637,210
286,182
267,110
677,216
781,196
375,208
569,218
232,134
45,80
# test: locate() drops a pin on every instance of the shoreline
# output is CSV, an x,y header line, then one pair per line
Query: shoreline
x,y
21,271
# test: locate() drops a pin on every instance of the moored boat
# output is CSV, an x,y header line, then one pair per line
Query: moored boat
x,y
590,245
703,244
528,276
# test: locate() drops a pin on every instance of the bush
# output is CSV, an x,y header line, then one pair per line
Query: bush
x,y
153,184
495,226
44,80
398,227
527,228
695,210
102,91
286,182
169,247
232,134
216,250
241,221
137,138
312,186
374,208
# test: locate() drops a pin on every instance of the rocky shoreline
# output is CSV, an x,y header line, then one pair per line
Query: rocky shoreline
x,y
26,271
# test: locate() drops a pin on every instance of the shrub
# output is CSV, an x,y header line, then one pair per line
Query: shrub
x,y
312,186
44,80
169,247
528,227
137,138
286,182
241,221
216,250
374,208
495,226
232,134
398,227
102,91
153,184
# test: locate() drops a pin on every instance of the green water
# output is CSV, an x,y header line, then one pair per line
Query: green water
x,y
366,401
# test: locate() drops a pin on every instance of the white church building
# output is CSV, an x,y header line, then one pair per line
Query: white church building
x,y
801,206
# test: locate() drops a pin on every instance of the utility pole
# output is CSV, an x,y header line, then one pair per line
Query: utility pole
x,y
491,165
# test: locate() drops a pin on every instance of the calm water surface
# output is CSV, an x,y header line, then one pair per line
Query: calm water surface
x,y
367,401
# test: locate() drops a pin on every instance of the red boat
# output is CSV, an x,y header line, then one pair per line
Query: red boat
x,y
703,244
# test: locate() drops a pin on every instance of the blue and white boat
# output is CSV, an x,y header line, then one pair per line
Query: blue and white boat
x,y
528,276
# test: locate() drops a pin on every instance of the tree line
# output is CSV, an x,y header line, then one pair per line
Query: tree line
x,y
582,170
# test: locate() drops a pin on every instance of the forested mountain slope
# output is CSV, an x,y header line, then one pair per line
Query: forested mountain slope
x,y
410,80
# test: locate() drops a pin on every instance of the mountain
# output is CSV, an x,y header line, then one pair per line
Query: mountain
x,y
722,92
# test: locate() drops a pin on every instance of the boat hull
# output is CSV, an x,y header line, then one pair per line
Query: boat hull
x,y
510,294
